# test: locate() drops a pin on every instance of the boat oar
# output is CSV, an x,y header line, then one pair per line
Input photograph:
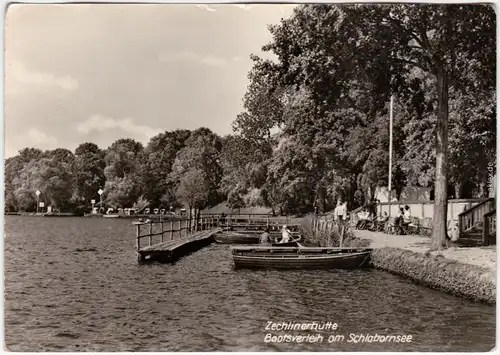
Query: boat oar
x,y
297,241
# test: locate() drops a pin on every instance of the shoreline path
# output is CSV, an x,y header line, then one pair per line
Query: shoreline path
x,y
478,256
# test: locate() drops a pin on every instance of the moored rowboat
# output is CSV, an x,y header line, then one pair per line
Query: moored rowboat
x,y
273,257
236,238
240,238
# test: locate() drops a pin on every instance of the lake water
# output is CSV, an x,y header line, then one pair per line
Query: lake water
x,y
74,284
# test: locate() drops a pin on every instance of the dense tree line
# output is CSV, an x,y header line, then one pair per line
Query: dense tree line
x,y
321,104
315,124
179,168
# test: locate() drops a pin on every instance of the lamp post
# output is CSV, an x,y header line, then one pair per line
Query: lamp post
x,y
100,198
390,153
37,192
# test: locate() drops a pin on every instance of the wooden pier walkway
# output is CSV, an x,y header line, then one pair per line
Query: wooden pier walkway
x,y
196,236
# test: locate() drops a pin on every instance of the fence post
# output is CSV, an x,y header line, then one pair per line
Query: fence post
x,y
486,230
161,231
150,232
138,237
171,230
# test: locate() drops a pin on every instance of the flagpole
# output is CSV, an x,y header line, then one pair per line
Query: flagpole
x,y
390,153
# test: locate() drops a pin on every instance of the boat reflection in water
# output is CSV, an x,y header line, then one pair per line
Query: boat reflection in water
x,y
298,257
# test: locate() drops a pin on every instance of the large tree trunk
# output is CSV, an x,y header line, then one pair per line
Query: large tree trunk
x,y
441,183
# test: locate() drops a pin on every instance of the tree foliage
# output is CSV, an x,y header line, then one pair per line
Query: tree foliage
x,y
315,122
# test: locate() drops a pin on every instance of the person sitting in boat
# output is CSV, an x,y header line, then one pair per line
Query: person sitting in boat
x,y
265,237
286,234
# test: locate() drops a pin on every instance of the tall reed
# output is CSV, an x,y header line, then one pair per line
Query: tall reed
x,y
328,233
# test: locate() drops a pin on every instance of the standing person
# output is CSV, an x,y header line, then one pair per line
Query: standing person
x,y
400,220
335,212
342,213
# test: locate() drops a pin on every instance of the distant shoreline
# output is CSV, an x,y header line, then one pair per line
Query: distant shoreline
x,y
69,214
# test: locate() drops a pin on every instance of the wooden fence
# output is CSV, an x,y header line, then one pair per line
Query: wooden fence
x,y
425,209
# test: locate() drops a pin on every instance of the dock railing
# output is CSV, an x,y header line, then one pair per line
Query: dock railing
x,y
228,220
161,231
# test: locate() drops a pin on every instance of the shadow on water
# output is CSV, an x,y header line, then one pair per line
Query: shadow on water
x,y
74,284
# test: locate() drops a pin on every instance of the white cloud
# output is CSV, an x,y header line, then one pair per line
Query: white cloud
x,y
18,75
101,123
243,6
205,7
210,60
214,61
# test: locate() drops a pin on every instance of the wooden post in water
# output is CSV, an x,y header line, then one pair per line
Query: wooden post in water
x,y
150,232
161,230
342,236
171,230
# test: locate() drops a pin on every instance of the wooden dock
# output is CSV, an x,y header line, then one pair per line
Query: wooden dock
x,y
173,243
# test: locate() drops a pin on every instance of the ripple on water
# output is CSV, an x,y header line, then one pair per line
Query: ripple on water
x,y
85,292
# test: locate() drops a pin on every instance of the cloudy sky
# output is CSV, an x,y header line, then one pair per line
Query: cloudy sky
x,y
77,73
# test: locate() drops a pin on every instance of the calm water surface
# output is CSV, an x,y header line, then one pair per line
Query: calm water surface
x,y
74,284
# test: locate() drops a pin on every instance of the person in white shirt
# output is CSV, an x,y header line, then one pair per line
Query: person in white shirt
x,y
363,218
335,211
341,212
286,234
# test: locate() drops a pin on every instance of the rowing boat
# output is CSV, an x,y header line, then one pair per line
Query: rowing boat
x,y
236,238
281,257
243,238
